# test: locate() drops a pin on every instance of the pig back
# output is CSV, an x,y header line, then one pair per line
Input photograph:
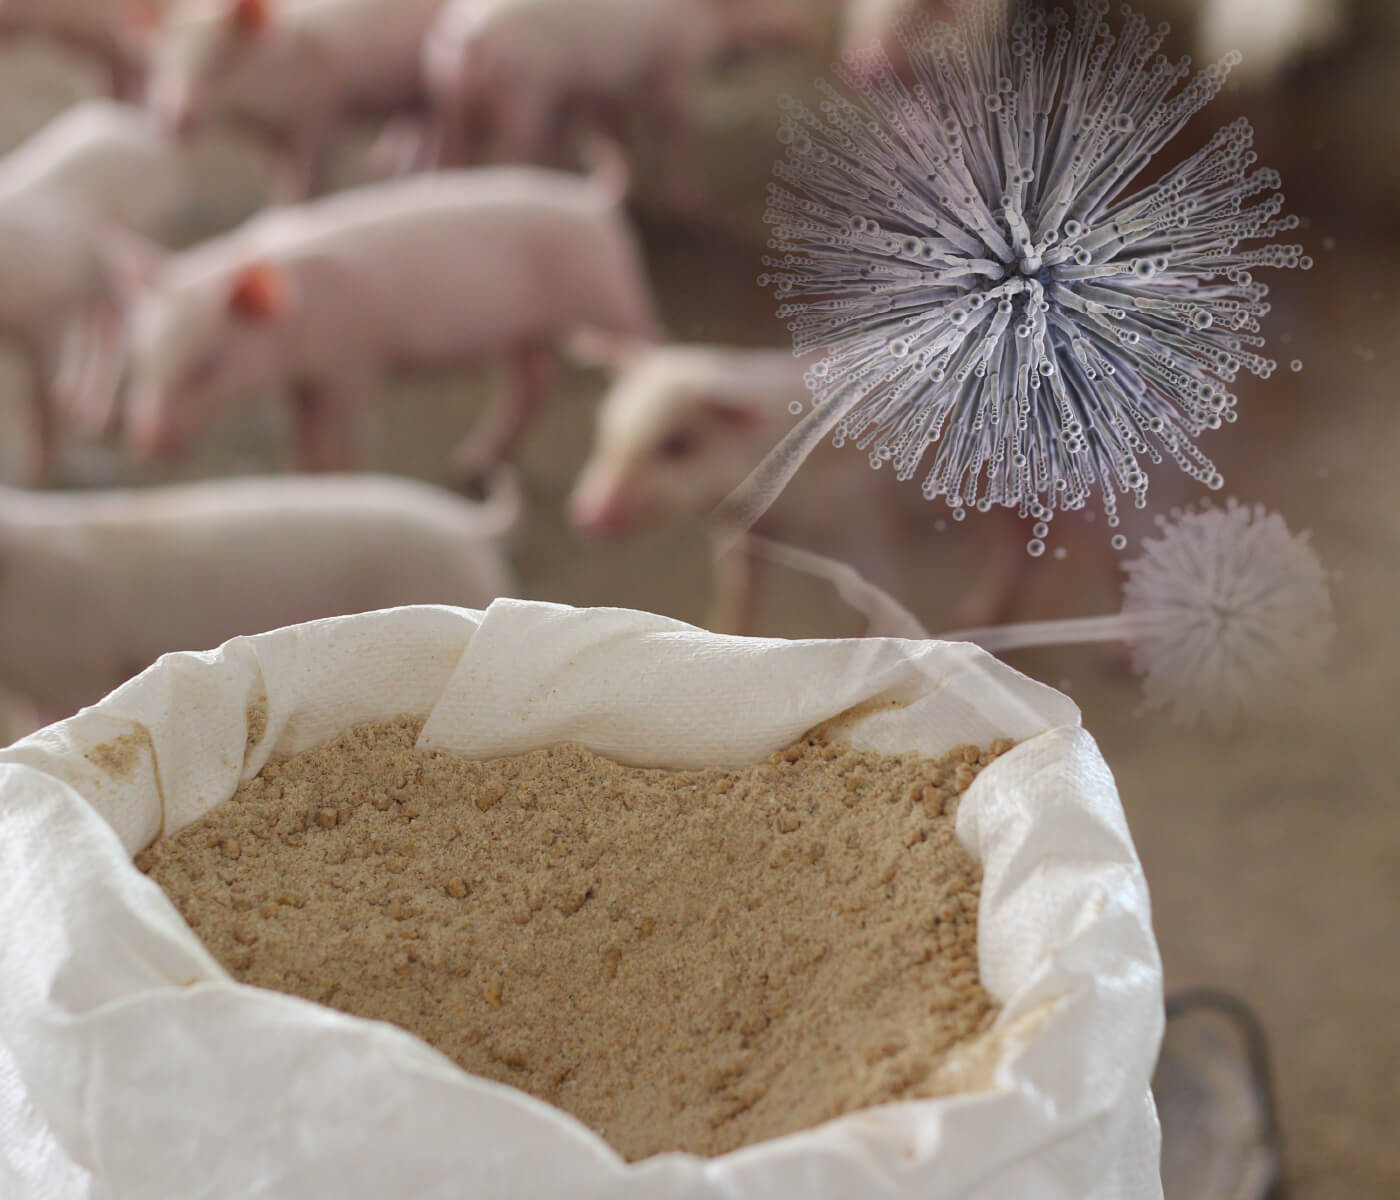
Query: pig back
x,y
452,268
370,48
106,156
93,21
97,585
596,47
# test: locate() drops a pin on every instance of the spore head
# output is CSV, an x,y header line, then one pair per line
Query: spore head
x,y
998,300
1230,608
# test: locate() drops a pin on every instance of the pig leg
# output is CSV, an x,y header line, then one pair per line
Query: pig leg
x,y
456,104
614,118
673,95
448,143
525,127
293,176
1003,570
95,401
884,615
404,145
301,160
459,134
326,417
736,571
98,409
74,362
475,130
126,79
531,371
865,536
45,355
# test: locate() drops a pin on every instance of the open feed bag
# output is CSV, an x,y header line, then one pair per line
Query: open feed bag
x,y
131,1064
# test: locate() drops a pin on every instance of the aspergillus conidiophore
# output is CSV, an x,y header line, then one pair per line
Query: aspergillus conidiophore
x,y
987,277
1224,610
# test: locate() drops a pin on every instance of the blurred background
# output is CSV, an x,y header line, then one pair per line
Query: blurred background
x,y
1272,849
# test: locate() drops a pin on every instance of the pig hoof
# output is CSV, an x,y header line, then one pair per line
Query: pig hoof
x,y
472,470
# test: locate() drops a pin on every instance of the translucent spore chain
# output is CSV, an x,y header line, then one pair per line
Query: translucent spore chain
x,y
980,280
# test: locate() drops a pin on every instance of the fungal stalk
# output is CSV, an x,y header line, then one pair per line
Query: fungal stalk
x,y
1224,609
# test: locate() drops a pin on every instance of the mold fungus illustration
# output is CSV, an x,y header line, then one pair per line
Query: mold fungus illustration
x,y
1002,287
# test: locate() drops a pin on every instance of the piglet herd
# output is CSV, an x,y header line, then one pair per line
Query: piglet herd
x,y
493,231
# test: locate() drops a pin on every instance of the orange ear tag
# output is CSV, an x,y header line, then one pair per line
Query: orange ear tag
x,y
249,16
259,293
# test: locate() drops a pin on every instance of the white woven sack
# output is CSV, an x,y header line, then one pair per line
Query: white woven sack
x,y
133,1068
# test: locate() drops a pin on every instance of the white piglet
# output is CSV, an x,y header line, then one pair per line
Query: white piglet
x,y
511,73
682,426
95,585
445,270
1272,35
99,166
291,71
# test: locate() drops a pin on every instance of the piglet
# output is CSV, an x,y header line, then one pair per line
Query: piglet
x,y
99,166
1271,34
95,585
509,74
445,270
112,33
681,426
292,71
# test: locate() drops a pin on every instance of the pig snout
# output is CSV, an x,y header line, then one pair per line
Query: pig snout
x,y
601,507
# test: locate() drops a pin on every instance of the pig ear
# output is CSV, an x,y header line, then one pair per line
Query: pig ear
x,y
249,16
259,292
133,264
610,352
